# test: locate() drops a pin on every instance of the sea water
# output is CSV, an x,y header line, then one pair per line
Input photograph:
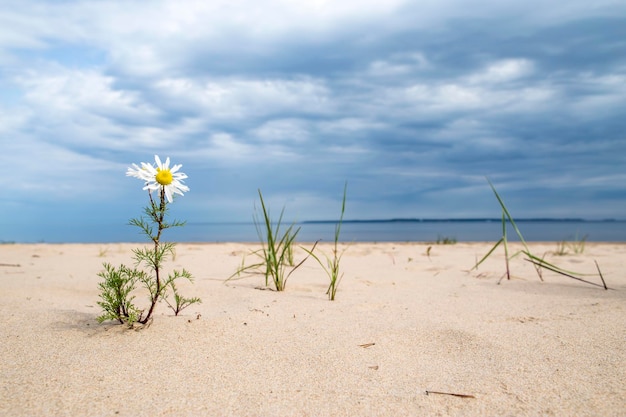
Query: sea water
x,y
468,230
420,231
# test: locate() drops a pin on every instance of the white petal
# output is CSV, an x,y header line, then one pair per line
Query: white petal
x,y
158,161
152,186
168,194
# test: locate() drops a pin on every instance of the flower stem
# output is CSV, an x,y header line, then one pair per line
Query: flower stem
x,y
158,214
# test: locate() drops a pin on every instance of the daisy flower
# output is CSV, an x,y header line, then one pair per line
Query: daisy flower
x,y
161,177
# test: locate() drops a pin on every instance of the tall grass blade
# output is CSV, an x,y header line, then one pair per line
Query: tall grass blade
x,y
332,263
489,253
506,213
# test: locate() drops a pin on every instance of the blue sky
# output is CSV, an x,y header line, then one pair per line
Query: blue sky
x,y
413,103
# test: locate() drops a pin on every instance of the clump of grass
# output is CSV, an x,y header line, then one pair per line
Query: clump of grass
x,y
276,252
577,246
332,262
561,248
537,262
444,240
504,241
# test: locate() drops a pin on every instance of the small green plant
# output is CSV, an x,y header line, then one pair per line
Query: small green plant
x,y
538,263
561,248
578,245
445,240
180,302
116,288
119,284
332,262
277,249
504,241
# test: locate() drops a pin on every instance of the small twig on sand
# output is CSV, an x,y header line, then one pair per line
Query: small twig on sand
x,y
450,393
15,265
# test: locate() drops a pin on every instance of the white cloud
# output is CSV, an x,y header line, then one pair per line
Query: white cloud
x,y
146,40
84,108
45,171
12,120
445,97
350,125
73,91
223,145
283,130
232,98
503,71
399,65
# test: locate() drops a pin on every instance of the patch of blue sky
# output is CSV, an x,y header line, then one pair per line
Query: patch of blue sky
x,y
68,55
11,95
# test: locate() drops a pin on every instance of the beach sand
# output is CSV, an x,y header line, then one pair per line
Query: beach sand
x,y
403,323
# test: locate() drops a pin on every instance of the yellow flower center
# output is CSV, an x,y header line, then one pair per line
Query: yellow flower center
x,y
164,176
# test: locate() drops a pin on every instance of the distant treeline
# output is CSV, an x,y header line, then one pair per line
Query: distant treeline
x,y
461,220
